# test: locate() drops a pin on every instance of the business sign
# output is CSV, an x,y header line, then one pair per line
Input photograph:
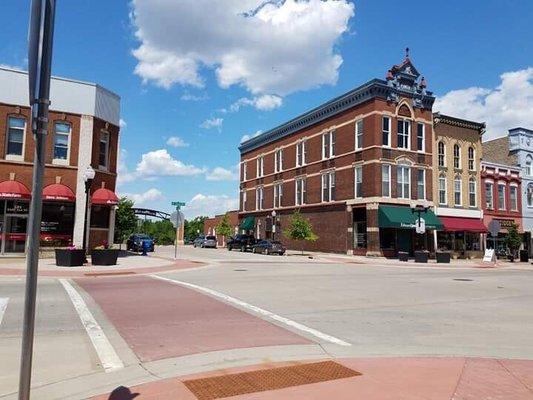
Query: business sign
x,y
490,256
506,223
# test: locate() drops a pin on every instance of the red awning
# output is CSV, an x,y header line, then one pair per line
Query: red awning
x,y
13,190
105,197
58,192
456,224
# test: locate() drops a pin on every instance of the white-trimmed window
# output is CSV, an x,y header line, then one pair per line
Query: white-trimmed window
x,y
62,132
328,145
404,134
529,163
456,156
421,184
300,191
103,150
278,160
243,196
328,186
260,164
358,182
404,182
385,129
359,134
259,198
15,138
278,194
301,152
501,196
513,197
385,180
442,190
471,159
472,201
244,171
457,193
420,137
441,154
489,195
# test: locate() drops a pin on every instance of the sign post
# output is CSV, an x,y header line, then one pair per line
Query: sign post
x,y
41,34
178,220
495,227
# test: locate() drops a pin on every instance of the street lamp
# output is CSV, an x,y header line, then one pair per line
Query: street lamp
x,y
88,176
273,224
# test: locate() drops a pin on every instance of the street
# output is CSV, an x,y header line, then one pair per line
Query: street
x,y
97,332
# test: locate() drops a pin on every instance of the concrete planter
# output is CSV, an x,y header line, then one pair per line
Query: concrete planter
x,y
403,256
421,256
443,257
69,258
104,257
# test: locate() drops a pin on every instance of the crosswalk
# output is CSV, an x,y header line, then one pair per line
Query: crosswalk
x,y
3,307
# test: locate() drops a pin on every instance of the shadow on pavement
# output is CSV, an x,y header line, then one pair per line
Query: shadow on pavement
x,y
122,393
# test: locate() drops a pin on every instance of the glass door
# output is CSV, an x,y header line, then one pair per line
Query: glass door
x,y
15,234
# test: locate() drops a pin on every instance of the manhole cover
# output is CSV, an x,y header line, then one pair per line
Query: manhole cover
x,y
268,379
463,280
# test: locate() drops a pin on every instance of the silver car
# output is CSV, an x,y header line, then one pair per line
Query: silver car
x,y
209,241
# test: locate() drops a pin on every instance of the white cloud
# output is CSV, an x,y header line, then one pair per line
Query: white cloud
x,y
248,137
212,123
266,102
192,97
222,174
160,163
506,106
176,141
265,46
209,205
122,123
150,196
123,174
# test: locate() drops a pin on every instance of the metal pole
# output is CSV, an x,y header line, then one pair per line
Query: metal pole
x,y
176,245
40,60
87,190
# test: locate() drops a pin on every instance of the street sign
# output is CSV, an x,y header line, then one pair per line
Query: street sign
x,y
420,225
494,227
178,204
177,218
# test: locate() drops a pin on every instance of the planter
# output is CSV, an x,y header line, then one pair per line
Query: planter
x,y
69,258
524,256
403,256
421,256
104,257
443,257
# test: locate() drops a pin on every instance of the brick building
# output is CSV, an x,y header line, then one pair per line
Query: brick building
x,y
458,153
353,166
83,130
210,226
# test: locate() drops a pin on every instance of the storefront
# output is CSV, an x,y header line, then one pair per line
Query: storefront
x,y
498,242
397,230
102,217
461,236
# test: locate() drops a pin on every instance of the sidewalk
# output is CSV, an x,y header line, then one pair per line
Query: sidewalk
x,y
360,378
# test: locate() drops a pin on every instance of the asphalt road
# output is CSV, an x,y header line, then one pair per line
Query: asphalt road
x,y
243,307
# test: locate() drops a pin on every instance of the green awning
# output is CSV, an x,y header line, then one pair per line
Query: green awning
x,y
402,217
248,224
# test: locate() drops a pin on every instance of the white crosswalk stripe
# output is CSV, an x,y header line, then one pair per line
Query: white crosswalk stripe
x,y
3,307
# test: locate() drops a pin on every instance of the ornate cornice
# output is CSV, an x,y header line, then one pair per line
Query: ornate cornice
x,y
439,118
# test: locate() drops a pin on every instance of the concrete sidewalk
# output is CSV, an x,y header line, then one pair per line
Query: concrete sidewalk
x,y
381,379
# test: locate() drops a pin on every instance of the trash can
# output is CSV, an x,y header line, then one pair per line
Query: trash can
x,y
403,256
443,257
524,256
421,256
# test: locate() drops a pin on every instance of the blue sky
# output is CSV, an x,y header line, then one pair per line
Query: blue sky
x,y
177,64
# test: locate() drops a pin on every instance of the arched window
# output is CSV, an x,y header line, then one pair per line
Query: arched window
x,y
529,195
440,153
457,191
472,192
529,161
471,159
456,156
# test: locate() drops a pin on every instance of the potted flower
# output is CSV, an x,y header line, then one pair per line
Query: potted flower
x,y
70,257
104,255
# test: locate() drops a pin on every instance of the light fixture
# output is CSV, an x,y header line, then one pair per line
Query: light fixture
x,y
88,174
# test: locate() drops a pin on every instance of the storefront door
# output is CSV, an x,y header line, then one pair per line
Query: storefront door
x,y
404,240
15,234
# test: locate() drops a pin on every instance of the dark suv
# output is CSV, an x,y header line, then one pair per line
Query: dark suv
x,y
135,242
241,242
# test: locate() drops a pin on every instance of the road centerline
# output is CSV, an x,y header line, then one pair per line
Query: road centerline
x,y
3,307
105,351
258,310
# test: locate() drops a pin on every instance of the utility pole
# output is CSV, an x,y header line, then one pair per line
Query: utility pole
x,y
41,34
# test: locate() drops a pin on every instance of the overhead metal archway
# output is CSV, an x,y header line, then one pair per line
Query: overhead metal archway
x,y
151,213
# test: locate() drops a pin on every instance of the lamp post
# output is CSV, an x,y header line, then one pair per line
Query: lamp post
x,y
273,224
419,209
88,176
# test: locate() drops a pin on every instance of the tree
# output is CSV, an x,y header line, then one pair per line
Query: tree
x,y
162,232
513,240
300,229
224,227
125,220
193,227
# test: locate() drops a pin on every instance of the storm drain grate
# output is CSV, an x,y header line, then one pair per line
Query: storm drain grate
x,y
268,379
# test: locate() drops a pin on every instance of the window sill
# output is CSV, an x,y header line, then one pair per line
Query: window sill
x,y
60,161
13,157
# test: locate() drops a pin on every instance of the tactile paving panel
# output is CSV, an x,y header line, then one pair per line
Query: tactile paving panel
x,y
218,387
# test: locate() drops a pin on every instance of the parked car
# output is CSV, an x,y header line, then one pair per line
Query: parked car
x,y
188,240
135,242
269,247
199,240
209,242
241,242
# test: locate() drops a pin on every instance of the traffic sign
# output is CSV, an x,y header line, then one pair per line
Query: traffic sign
x,y
494,227
177,218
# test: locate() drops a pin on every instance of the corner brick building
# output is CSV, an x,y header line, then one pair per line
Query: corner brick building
x,y
83,130
210,226
353,166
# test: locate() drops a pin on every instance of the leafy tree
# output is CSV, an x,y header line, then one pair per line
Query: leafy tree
x,y
125,220
300,229
194,226
162,232
513,240
224,227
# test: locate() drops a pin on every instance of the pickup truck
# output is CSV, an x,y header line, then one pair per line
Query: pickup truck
x,y
241,242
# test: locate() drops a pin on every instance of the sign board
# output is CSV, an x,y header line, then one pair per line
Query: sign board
x,y
177,218
178,204
490,256
420,225
505,223
494,227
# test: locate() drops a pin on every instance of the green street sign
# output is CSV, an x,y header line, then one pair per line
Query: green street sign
x,y
178,204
